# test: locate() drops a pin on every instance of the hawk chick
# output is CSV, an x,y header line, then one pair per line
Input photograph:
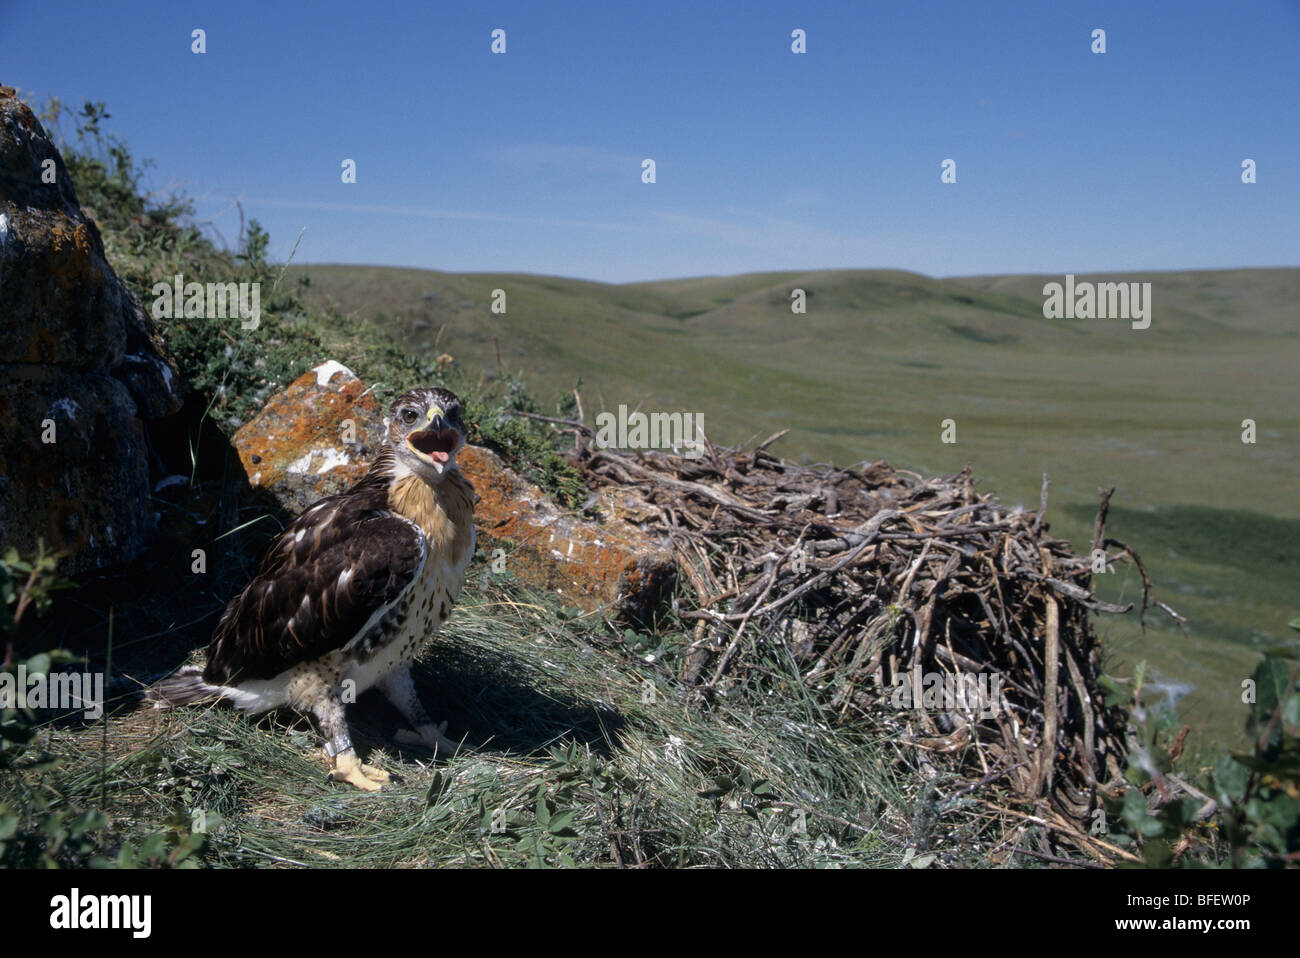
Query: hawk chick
x,y
350,590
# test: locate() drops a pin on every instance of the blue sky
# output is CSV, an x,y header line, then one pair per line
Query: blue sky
x,y
530,161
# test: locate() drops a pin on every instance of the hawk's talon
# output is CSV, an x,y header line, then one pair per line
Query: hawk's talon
x,y
348,768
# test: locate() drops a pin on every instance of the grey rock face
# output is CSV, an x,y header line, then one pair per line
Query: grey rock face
x,y
82,367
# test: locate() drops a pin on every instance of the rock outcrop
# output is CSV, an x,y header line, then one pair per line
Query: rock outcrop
x,y
82,367
611,565
313,439
320,434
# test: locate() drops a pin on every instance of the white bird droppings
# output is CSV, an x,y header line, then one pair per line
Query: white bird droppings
x,y
325,372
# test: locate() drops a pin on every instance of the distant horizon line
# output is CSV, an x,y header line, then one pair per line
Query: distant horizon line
x,y
817,269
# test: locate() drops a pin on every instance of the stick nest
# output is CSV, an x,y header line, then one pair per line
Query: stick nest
x,y
873,587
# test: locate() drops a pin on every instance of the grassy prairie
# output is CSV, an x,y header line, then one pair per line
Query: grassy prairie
x,y
881,358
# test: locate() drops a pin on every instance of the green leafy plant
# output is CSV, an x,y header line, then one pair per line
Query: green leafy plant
x,y
27,585
1260,790
1250,817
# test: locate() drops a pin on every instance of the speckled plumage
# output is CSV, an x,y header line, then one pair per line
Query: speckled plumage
x,y
349,592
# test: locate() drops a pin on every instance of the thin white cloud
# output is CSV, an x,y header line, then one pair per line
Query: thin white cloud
x,y
743,238
734,227
426,213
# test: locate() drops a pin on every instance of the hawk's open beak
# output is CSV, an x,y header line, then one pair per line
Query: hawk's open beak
x,y
437,441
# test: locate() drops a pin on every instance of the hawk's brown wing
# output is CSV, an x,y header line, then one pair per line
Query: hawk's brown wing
x,y
324,578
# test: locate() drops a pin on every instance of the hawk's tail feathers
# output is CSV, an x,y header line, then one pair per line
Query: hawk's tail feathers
x,y
182,687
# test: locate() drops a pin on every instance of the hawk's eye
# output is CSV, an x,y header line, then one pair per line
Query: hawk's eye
x,y
409,415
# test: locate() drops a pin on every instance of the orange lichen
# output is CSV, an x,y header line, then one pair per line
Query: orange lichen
x,y
302,419
592,565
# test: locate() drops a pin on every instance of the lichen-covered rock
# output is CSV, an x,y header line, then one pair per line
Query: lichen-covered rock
x,y
81,367
77,474
614,565
321,433
313,439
